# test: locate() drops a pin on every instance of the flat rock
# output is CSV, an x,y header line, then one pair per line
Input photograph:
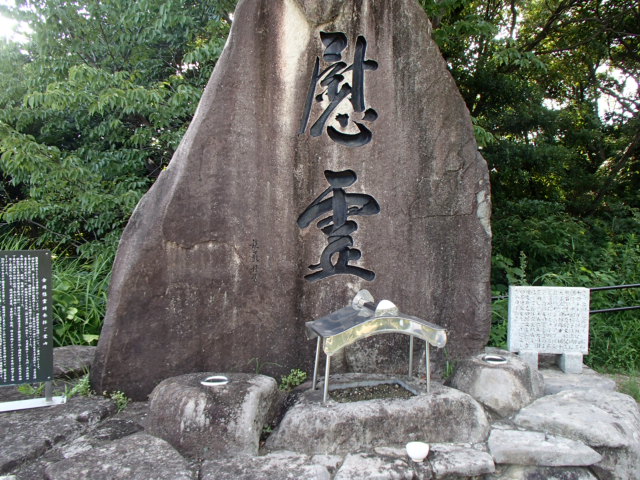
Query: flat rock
x,y
450,460
72,360
207,421
536,448
367,466
400,452
556,380
135,457
340,428
597,418
330,462
27,434
517,472
281,465
104,432
607,421
503,388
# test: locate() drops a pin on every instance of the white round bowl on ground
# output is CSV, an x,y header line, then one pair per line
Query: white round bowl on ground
x,y
417,451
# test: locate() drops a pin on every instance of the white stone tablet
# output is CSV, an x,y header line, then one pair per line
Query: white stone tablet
x,y
548,319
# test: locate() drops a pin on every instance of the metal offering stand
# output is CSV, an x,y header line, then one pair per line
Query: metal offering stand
x,y
362,319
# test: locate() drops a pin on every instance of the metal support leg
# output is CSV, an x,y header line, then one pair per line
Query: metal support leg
x,y
426,357
315,365
326,379
410,355
48,391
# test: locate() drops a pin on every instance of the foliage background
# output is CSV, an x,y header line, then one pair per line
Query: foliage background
x,y
96,101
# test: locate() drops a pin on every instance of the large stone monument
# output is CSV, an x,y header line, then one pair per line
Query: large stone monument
x,y
331,152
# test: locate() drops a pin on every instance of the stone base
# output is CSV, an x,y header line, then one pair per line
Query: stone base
x,y
75,440
314,428
209,421
570,362
556,381
499,380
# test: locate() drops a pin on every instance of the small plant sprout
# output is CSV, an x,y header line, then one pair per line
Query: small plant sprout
x,y
119,397
30,390
296,377
83,388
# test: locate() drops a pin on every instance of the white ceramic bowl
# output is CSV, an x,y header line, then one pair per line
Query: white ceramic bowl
x,y
417,451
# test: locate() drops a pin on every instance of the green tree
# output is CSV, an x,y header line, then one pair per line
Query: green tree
x,y
564,173
94,106
533,74
91,110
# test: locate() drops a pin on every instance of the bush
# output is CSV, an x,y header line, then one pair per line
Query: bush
x,y
296,377
80,290
614,337
80,287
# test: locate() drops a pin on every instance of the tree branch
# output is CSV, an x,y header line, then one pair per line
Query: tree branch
x,y
65,237
549,24
514,17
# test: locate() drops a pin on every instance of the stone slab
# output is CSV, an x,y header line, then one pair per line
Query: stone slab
x,y
134,457
27,434
536,448
123,423
281,465
451,460
607,421
556,381
597,418
340,428
208,421
367,466
516,472
106,431
549,320
233,198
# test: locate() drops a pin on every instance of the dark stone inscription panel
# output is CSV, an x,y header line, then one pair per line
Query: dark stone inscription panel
x,y
26,343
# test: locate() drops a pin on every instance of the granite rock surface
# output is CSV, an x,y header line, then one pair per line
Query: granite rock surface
x,y
339,428
503,388
209,421
284,199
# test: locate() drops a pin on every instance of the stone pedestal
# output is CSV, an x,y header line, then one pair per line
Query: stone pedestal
x,y
570,362
208,421
312,427
504,388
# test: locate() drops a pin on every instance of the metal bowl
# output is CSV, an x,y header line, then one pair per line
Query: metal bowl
x,y
493,359
215,381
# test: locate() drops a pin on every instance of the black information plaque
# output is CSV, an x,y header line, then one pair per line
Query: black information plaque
x,y
26,342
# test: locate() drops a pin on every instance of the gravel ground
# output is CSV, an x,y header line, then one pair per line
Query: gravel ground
x,y
355,394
